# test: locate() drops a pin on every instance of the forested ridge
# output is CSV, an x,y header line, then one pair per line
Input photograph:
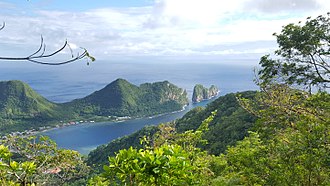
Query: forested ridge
x,y
121,98
229,125
21,108
284,126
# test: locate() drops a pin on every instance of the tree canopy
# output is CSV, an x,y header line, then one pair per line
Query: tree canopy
x,y
290,144
38,161
303,55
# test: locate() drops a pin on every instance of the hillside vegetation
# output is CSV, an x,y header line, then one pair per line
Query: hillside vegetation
x,y
285,142
21,108
229,125
121,98
288,136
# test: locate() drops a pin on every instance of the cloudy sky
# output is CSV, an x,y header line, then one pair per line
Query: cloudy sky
x,y
152,29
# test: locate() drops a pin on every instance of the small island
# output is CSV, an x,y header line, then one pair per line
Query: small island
x,y
202,93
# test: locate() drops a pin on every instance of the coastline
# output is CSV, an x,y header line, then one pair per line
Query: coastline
x,y
62,124
85,137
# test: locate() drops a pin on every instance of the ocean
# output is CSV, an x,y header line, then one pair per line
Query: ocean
x,y
65,83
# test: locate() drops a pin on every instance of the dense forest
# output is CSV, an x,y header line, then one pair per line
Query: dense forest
x,y
121,98
276,136
21,108
230,124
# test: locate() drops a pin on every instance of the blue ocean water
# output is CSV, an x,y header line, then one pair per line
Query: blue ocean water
x,y
87,136
68,82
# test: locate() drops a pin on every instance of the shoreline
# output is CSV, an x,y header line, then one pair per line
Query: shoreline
x,y
44,129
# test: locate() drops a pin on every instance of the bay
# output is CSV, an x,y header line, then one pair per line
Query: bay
x,y
65,83
87,136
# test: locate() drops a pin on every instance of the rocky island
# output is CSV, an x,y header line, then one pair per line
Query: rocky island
x,y
201,93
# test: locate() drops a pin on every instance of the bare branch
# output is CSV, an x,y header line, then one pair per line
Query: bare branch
x,y
39,55
41,46
3,26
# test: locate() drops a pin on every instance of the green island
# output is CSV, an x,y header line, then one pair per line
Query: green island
x,y
201,93
279,135
22,109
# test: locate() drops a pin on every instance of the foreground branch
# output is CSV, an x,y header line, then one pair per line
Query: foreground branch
x,y
38,56
3,26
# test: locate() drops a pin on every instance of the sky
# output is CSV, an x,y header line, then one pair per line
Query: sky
x,y
210,30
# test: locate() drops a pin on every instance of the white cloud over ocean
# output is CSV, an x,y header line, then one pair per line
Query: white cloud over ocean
x,y
164,28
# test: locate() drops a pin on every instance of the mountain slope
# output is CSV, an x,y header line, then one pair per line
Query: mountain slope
x,y
121,98
18,99
230,124
100,155
20,104
21,108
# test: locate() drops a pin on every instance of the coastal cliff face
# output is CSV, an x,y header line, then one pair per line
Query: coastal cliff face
x,y
121,98
201,93
22,108
165,92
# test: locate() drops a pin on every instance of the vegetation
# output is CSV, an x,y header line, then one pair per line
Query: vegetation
x,y
121,98
288,142
21,108
229,125
172,160
38,161
289,145
201,93
99,157
303,55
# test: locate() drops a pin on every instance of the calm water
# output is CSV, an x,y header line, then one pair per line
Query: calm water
x,y
85,137
65,83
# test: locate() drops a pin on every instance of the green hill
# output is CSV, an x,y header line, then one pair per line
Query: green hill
x,y
21,108
121,98
17,100
230,125
99,156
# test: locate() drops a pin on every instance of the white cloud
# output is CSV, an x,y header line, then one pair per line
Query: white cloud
x,y
190,12
169,28
271,6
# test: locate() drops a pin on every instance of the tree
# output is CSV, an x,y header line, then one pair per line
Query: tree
x,y
173,159
291,145
38,161
294,130
39,55
302,57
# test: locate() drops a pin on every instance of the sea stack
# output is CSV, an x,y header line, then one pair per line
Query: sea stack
x,y
202,93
